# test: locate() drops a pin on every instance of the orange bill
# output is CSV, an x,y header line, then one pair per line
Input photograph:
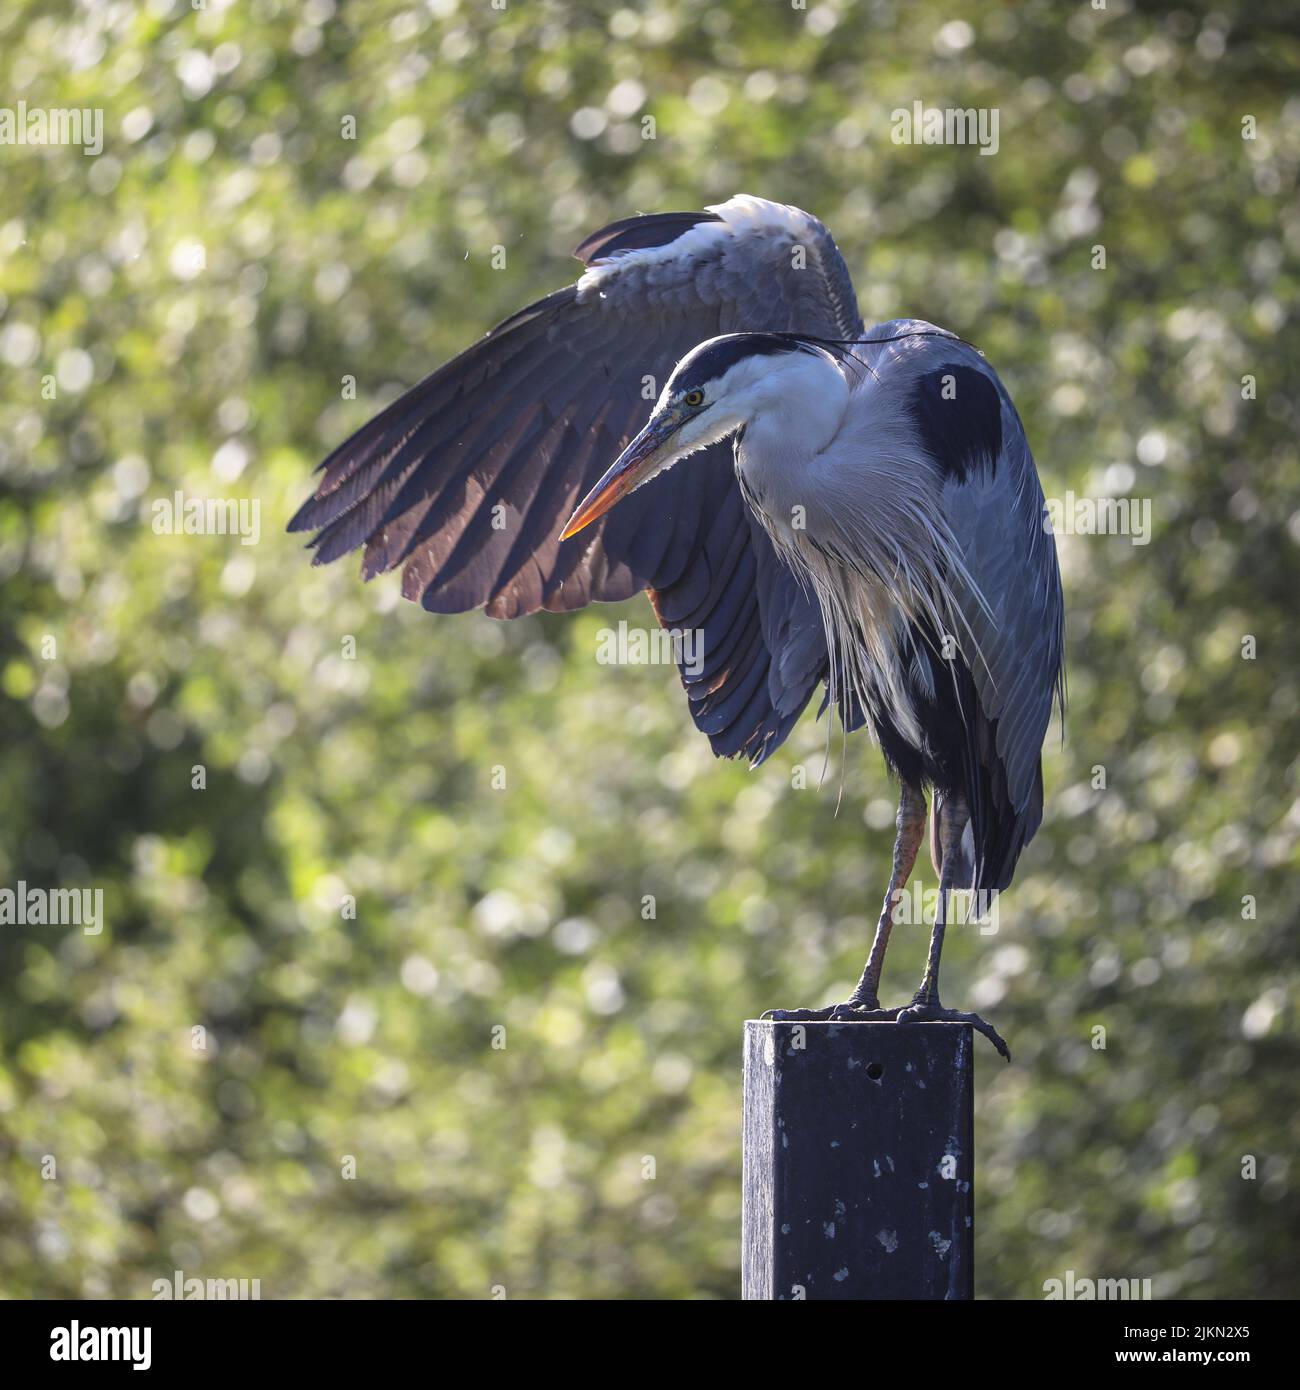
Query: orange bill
x,y
639,462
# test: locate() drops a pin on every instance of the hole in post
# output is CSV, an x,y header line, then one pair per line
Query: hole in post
x,y
875,1071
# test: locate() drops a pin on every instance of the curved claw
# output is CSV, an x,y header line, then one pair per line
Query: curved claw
x,y
932,1013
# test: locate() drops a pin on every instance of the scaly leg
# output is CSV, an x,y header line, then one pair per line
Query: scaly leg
x,y
926,1006
911,831
864,1003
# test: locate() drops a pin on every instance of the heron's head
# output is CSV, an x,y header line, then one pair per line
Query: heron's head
x,y
716,389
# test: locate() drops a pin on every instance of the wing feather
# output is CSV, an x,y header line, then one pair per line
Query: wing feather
x,y
1014,615
466,479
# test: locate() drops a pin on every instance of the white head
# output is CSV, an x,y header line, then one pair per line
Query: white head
x,y
738,381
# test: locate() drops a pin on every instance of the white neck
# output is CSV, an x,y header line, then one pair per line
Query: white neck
x,y
792,412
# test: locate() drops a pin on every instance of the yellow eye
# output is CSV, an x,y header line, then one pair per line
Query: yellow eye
x,y
694,398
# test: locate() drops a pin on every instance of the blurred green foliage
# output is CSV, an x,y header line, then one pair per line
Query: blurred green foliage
x,y
198,292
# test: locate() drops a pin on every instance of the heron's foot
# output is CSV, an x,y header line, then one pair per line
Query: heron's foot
x,y
851,1011
931,1011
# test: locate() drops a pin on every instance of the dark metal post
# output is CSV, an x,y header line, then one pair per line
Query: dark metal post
x,y
858,1161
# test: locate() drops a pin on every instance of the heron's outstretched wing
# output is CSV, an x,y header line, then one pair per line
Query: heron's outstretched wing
x,y
1011,610
466,480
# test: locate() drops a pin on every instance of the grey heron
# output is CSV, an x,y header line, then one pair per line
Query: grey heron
x,y
826,506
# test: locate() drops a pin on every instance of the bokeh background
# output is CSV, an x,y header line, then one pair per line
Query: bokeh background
x,y
199,291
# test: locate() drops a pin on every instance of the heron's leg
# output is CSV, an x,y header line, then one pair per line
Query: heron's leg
x,y
911,831
864,1005
951,821
926,1006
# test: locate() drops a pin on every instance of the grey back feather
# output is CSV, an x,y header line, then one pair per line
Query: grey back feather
x,y
1010,616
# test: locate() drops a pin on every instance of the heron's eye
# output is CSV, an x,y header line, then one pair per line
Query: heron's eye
x,y
694,398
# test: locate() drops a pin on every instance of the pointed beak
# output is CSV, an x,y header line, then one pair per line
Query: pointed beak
x,y
637,463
